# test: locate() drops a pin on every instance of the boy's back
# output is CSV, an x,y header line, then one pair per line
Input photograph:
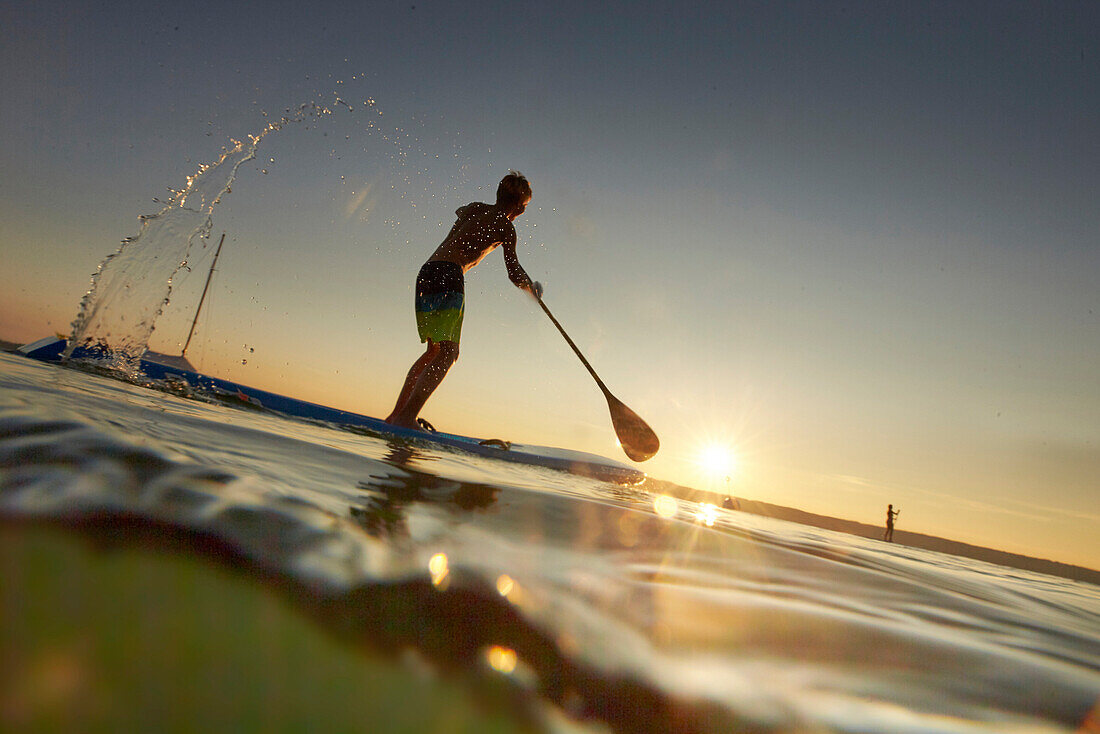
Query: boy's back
x,y
479,229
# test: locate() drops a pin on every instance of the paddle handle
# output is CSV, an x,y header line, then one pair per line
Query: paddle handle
x,y
574,346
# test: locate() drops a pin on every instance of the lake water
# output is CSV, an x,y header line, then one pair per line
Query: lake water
x,y
612,605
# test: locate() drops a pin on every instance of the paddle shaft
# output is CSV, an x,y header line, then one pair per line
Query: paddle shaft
x,y
636,438
575,349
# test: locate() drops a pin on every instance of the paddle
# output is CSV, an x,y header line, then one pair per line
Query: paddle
x,y
638,440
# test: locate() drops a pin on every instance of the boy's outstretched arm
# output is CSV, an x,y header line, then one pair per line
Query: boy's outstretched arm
x,y
517,274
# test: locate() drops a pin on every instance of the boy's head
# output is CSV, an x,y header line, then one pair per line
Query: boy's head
x,y
513,193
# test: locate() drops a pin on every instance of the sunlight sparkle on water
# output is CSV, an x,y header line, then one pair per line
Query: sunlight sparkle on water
x,y
707,514
665,506
438,568
502,659
505,585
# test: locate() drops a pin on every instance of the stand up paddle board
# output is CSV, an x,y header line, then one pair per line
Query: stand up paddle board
x,y
50,349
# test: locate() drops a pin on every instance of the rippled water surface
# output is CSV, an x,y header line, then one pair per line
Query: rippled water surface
x,y
592,600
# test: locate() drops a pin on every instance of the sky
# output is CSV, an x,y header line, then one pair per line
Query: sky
x,y
848,251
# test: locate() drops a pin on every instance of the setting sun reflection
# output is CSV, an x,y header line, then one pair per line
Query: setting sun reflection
x,y
707,514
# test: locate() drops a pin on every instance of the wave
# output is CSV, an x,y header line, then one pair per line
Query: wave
x,y
600,606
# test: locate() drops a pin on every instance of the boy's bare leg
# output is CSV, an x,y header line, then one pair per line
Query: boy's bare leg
x,y
415,371
425,385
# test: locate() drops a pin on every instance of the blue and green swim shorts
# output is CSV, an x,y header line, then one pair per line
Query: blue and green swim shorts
x,y
440,301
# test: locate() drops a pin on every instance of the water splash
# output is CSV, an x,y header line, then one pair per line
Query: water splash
x,y
132,286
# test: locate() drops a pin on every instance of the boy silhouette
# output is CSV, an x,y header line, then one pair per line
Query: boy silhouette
x,y
440,288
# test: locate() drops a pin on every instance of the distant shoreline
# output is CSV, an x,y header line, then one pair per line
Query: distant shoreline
x,y
942,545
901,537
874,532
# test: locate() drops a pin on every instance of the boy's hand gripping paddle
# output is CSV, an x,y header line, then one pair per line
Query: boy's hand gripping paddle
x,y
638,440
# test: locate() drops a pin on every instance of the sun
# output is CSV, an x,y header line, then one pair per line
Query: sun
x,y
716,460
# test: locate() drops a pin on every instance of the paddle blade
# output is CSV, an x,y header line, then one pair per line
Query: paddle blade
x,y
638,440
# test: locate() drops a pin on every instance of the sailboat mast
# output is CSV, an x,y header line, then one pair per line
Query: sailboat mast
x,y
203,296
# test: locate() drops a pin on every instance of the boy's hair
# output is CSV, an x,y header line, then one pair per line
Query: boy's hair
x,y
513,190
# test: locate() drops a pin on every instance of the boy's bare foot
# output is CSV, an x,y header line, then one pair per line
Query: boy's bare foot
x,y
394,421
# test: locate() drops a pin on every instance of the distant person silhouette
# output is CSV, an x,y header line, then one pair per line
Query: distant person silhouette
x,y
891,515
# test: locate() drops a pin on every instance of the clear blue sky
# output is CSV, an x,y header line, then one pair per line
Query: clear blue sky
x,y
857,244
